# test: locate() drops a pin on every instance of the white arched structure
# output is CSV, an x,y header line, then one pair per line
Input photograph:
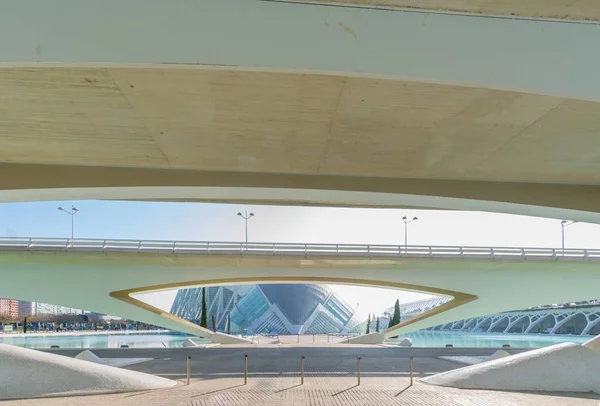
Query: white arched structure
x,y
534,318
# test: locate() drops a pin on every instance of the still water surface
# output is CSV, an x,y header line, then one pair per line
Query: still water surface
x,y
483,340
419,339
99,341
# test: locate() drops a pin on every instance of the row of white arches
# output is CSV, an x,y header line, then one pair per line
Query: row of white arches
x,y
579,321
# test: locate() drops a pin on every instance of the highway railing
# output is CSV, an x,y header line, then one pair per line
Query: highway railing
x,y
293,249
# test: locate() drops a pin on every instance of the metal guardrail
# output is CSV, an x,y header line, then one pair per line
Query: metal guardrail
x,y
283,249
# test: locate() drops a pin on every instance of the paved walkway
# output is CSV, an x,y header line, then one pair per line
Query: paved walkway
x,y
330,379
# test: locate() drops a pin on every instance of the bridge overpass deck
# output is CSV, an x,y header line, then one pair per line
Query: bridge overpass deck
x,y
108,280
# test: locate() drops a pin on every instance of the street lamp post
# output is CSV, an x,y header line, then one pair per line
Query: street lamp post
x,y
406,221
563,225
246,216
71,213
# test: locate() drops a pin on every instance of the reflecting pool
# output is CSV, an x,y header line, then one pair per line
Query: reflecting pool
x,y
485,340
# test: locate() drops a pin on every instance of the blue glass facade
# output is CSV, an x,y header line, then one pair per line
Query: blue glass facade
x,y
250,308
269,308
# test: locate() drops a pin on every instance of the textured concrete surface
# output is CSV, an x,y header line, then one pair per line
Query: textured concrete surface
x,y
560,9
564,367
330,379
28,373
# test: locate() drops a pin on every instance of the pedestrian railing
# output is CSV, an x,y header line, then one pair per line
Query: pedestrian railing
x,y
291,249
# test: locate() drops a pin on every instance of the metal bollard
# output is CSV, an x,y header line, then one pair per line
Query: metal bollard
x,y
411,371
358,368
189,368
245,369
302,370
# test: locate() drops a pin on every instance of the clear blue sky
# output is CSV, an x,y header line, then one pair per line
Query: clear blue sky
x,y
194,221
219,222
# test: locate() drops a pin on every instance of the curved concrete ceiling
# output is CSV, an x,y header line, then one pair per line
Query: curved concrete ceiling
x,y
296,123
321,98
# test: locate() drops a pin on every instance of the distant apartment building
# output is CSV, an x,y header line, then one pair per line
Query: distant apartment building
x,y
9,307
46,308
16,308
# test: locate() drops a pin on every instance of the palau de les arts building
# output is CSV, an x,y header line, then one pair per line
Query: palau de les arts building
x,y
271,309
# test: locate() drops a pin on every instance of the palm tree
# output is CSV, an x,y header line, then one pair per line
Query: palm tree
x,y
368,324
377,325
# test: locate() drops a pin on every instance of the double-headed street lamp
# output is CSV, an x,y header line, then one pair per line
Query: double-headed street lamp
x,y
564,224
406,221
246,216
72,213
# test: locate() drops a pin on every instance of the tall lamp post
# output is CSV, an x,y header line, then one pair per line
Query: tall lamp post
x,y
406,221
563,225
246,216
71,213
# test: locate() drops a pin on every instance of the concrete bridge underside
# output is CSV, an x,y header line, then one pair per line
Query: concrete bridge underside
x,y
104,282
288,103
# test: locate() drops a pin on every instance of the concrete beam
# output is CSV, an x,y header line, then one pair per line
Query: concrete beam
x,y
103,282
558,9
54,182
544,57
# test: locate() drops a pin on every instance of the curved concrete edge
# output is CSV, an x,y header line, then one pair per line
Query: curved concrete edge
x,y
87,355
593,344
189,343
373,338
221,338
472,360
26,373
565,367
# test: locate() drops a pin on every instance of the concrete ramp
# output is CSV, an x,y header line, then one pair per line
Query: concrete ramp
x,y
564,367
28,373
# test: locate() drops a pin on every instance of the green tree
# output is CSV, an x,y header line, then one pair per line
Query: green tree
x,y
377,325
396,317
203,322
214,323
368,324
229,323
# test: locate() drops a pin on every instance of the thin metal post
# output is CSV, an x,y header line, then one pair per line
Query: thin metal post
x,y
411,370
562,225
189,368
245,369
313,338
358,369
298,338
302,370
405,237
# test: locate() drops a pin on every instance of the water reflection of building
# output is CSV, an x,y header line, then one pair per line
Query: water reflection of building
x,y
266,308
